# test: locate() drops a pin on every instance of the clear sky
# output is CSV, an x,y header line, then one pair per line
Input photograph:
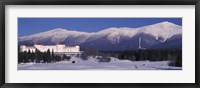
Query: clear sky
x,y
27,26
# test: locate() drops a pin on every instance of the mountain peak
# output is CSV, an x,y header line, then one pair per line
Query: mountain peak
x,y
122,37
167,23
58,29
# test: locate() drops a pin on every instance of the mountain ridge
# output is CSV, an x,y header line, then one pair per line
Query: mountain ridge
x,y
159,33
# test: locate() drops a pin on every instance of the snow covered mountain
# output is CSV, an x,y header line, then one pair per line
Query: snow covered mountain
x,y
160,35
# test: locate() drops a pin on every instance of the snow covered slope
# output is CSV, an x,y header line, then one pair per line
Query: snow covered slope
x,y
93,64
56,36
110,38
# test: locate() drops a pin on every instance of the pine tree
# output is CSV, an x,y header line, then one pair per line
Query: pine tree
x,y
37,58
178,61
28,56
48,57
53,56
20,57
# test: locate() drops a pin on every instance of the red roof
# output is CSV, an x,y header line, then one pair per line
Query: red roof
x,y
38,44
61,43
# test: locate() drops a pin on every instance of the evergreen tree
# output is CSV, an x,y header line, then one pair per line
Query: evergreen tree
x,y
48,56
53,56
37,56
178,61
44,57
20,57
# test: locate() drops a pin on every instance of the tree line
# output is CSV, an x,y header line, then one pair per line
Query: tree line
x,y
40,57
173,55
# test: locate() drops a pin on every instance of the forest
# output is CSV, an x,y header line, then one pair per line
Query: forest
x,y
173,55
40,57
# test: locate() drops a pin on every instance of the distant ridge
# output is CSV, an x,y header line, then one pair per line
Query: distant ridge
x,y
163,34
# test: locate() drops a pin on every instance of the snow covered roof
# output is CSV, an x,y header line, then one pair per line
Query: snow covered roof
x,y
61,43
38,44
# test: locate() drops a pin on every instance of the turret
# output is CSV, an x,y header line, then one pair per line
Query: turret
x,y
22,48
61,44
37,45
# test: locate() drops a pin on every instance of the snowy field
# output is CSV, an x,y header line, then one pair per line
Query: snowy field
x,y
93,64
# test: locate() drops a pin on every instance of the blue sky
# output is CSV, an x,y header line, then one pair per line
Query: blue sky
x,y
28,26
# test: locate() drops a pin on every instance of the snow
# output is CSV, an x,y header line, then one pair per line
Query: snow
x,y
56,35
163,30
93,64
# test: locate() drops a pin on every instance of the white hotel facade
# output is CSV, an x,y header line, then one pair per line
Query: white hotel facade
x,y
57,49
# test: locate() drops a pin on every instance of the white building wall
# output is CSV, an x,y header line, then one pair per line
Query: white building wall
x,y
54,48
25,48
60,48
71,49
